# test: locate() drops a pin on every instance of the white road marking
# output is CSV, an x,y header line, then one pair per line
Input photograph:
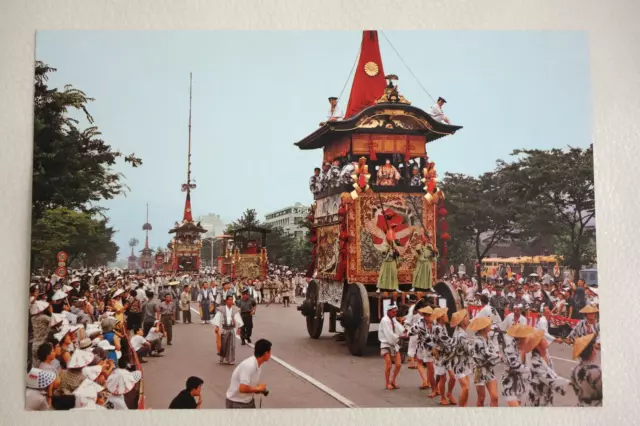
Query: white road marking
x,y
335,395
565,360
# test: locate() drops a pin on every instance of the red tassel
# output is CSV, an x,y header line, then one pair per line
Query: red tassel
x,y
342,211
444,226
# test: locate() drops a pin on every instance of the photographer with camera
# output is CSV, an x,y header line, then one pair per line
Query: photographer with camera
x,y
245,378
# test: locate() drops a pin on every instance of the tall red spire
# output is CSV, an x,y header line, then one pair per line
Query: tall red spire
x,y
368,82
187,217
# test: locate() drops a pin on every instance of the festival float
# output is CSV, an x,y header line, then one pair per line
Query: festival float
x,y
248,253
186,243
146,254
378,220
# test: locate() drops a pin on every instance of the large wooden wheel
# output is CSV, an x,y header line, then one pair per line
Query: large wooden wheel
x,y
356,319
315,321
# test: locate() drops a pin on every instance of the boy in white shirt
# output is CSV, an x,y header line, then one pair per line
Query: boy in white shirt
x,y
140,344
154,337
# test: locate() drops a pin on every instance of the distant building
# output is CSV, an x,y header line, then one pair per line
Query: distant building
x,y
289,219
213,224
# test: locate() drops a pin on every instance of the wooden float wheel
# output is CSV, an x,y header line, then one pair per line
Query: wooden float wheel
x,y
315,322
357,318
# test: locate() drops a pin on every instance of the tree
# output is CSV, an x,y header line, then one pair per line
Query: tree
x,y
248,218
87,240
557,188
72,168
482,212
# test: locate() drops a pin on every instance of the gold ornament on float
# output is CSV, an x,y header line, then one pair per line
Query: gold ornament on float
x,y
371,69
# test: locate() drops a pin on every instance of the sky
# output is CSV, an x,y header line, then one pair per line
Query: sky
x,y
257,93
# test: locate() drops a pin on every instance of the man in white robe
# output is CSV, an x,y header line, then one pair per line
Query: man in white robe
x,y
436,111
227,324
389,333
335,113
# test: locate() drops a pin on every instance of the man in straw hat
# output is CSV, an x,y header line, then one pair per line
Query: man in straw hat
x,y
442,354
544,382
516,376
420,331
389,334
462,363
586,326
586,377
486,357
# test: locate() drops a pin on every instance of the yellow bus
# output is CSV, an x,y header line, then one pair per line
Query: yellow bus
x,y
524,265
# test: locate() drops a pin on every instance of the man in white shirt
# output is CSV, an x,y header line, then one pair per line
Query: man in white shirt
x,y
436,111
245,380
154,337
514,317
140,344
334,111
543,324
389,333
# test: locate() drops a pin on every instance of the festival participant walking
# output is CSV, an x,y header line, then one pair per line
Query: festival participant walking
x,y
185,305
389,333
486,357
516,377
462,354
443,348
421,330
544,382
245,380
227,323
586,377
206,298
247,310
186,399
589,325
167,311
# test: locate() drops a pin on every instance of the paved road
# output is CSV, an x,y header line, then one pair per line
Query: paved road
x,y
303,373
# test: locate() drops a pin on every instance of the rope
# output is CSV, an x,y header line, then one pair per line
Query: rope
x,y
349,76
405,64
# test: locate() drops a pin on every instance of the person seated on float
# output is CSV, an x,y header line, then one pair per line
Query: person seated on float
x,y
436,111
335,113
252,248
387,175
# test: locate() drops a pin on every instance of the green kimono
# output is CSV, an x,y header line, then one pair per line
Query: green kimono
x,y
388,276
422,274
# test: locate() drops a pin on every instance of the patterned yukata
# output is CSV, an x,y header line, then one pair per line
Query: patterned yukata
x,y
586,381
415,181
516,376
424,340
582,329
544,383
228,330
388,175
442,346
345,174
334,176
461,355
325,180
315,185
486,357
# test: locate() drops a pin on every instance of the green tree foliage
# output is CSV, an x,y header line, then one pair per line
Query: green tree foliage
x,y
482,212
86,239
557,189
72,167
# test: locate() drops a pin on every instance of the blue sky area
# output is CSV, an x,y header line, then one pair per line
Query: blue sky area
x,y
256,93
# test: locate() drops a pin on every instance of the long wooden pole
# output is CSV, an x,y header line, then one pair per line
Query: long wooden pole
x,y
189,148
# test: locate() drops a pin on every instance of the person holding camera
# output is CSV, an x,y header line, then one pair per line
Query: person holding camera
x,y
245,380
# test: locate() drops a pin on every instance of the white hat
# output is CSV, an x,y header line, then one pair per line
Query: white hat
x,y
67,288
118,292
121,381
38,307
104,344
60,335
87,393
56,319
594,290
75,327
391,307
96,341
72,318
40,379
75,280
80,359
92,372
59,295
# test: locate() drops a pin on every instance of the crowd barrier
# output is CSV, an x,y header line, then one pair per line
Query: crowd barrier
x,y
532,317
135,398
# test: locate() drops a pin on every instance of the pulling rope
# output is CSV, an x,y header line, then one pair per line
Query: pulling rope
x,y
349,76
405,64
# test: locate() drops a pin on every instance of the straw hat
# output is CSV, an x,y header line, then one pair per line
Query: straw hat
x,y
80,359
589,309
85,343
439,312
38,307
118,292
92,372
122,381
479,323
581,343
520,331
533,340
457,317
40,379
426,310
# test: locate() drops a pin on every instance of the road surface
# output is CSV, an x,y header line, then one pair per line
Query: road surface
x,y
303,372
